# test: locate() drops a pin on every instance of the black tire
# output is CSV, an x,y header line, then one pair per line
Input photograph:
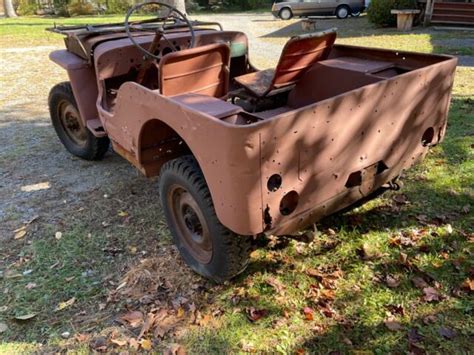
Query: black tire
x,y
229,254
343,12
85,145
285,13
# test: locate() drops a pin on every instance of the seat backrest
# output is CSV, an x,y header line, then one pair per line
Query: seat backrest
x,y
202,70
299,55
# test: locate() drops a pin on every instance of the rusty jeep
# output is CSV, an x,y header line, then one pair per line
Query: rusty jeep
x,y
241,152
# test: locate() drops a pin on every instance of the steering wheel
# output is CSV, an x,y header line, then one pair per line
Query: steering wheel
x,y
158,25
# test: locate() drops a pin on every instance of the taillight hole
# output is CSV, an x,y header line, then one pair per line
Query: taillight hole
x,y
274,183
289,202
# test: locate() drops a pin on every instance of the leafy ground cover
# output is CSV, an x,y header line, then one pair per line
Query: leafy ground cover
x,y
92,266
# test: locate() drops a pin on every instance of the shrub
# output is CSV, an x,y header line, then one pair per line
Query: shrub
x,y
80,7
60,7
379,11
26,7
117,6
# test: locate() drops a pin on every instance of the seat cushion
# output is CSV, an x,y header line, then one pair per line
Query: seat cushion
x,y
212,106
257,83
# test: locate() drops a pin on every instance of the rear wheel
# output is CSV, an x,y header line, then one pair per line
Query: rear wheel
x,y
69,126
205,244
286,13
342,12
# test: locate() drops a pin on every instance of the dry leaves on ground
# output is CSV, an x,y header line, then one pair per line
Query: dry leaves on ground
x,y
254,314
393,324
430,294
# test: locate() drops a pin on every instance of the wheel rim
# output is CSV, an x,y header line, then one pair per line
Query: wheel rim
x,y
285,14
343,12
71,123
190,223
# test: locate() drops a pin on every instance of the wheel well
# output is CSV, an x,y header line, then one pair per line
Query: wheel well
x,y
157,144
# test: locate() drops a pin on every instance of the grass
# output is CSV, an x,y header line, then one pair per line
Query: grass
x,y
100,243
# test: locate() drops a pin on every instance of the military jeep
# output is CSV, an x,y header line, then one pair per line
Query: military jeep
x,y
242,152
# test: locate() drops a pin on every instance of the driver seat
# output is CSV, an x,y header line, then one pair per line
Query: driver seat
x,y
198,78
298,56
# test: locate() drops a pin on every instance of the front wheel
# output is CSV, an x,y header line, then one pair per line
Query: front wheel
x,y
69,126
205,244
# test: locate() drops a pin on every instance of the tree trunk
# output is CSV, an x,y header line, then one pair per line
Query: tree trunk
x,y
8,7
179,4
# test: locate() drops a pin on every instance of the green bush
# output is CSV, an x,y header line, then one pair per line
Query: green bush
x,y
26,7
60,7
117,6
379,11
80,7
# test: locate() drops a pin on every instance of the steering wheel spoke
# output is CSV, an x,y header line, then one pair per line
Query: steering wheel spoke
x,y
158,25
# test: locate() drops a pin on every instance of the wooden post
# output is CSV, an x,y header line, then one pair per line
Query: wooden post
x,y
428,12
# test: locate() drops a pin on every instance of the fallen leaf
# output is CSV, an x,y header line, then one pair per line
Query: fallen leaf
x,y
146,344
449,229
400,199
150,319
430,319
391,281
347,341
276,284
430,294
123,214
393,324
315,273
175,349
255,314
419,282
20,233
26,316
447,333
368,252
327,311
30,285
468,285
396,309
247,347
308,313
134,344
98,344
180,312
65,304
3,327
134,318
119,342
